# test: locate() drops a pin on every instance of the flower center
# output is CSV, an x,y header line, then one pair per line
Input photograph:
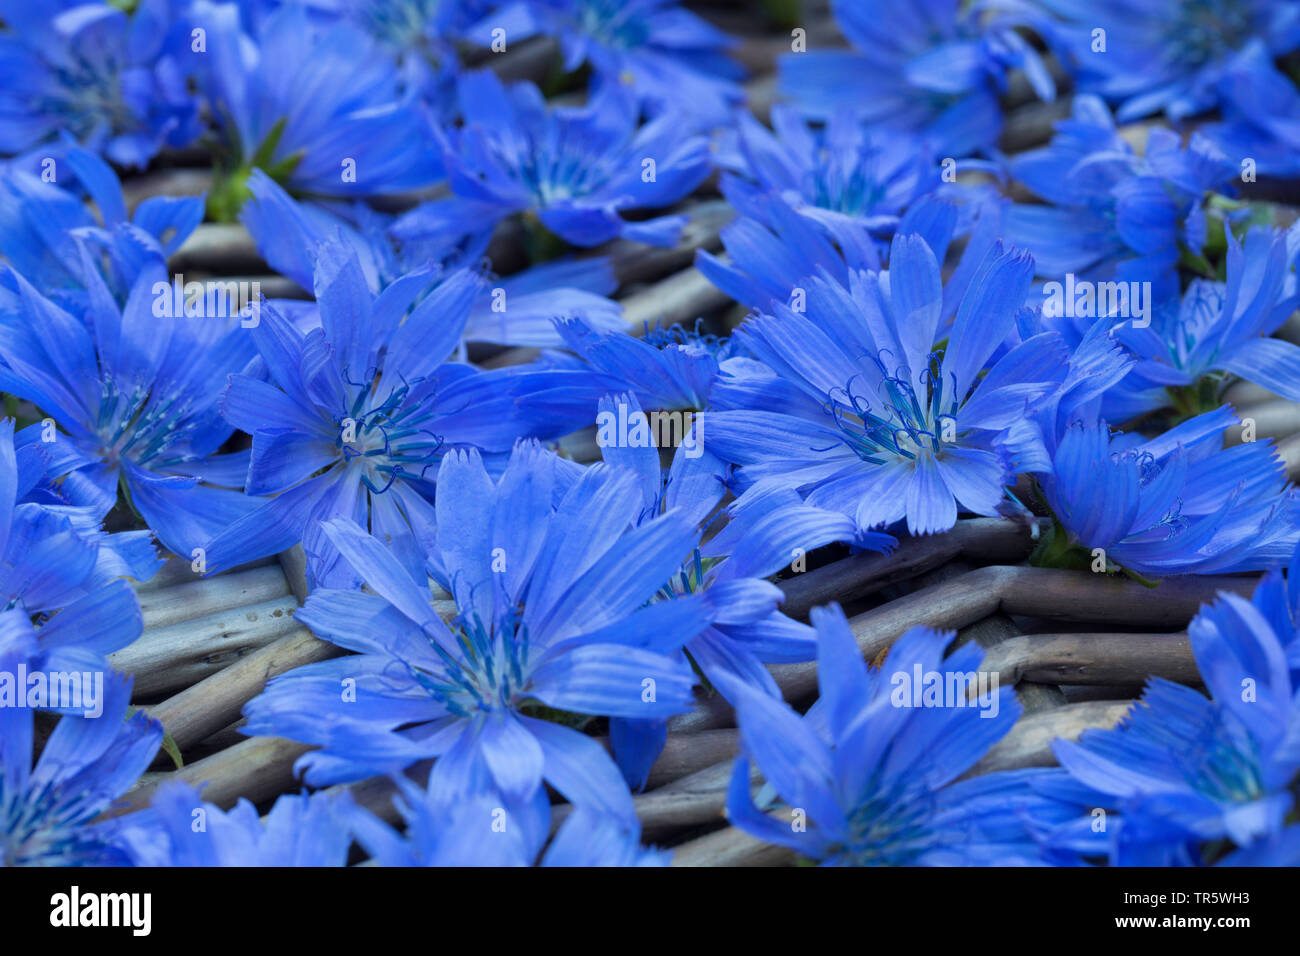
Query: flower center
x,y
392,439
489,672
898,422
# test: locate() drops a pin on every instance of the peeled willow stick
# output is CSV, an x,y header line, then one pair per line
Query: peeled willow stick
x,y
979,539
1107,693
185,602
204,708
700,798
711,711
1274,419
167,659
294,565
681,298
1032,592
175,182
1029,744
257,769
222,247
1289,449
637,262
1032,124
994,540
1241,394
215,702
696,799
995,632
733,847
686,754
227,736
1100,659
680,763
180,571
989,632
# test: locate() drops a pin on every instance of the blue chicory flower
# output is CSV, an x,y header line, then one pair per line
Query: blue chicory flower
x,y
746,630
862,414
59,569
1152,56
771,249
672,59
44,229
112,80
48,811
1109,213
423,34
134,390
478,830
550,619
180,829
854,181
574,169
1276,849
314,104
517,309
1179,503
1098,363
1260,125
1187,772
934,68
1217,333
867,778
666,368
357,414
772,246
41,519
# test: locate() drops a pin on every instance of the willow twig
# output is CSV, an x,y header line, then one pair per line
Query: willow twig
x,y
166,659
221,247
1029,744
177,570
185,602
1033,592
981,539
995,632
1094,659
215,702
176,182
1275,419
1032,124
696,799
208,706
257,769
679,299
734,847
